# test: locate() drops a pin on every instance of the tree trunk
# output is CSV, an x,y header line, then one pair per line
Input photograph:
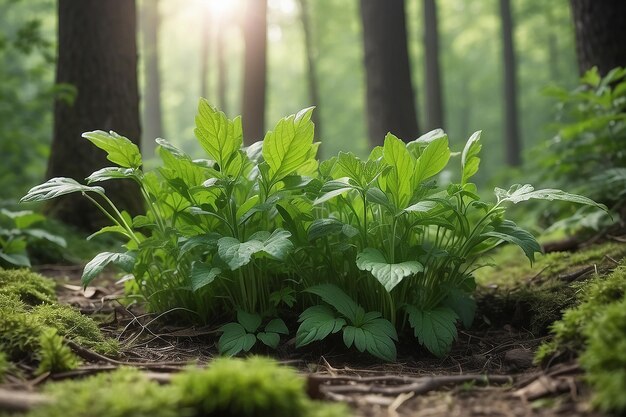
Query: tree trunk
x,y
314,98
511,134
434,102
600,27
98,55
390,101
254,80
152,118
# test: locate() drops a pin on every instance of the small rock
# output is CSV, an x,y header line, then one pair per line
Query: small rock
x,y
519,358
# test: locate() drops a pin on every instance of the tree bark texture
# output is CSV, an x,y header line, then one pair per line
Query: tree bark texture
x,y
152,117
511,130
390,100
254,79
600,28
97,53
434,100
314,97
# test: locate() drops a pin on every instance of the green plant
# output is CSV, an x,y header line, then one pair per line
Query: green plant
x,y
16,233
5,365
29,287
243,335
249,227
54,355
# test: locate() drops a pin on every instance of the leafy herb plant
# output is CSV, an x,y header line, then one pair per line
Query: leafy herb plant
x,y
250,230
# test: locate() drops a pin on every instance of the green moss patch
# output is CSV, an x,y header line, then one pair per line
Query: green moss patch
x,y
227,388
29,287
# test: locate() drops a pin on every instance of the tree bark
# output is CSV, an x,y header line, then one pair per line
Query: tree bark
x,y
390,101
314,97
152,117
97,53
254,81
434,101
600,28
511,134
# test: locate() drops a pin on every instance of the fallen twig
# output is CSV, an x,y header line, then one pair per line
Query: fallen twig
x,y
20,401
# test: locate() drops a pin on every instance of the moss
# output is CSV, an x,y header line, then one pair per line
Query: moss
x,y
605,357
54,355
31,288
227,388
5,365
19,332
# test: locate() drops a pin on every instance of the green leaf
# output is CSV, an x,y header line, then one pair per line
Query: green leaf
x,y
202,274
120,150
277,245
235,253
379,338
518,193
284,295
111,173
250,321
42,234
24,218
218,136
269,339
234,339
463,305
332,189
433,159
334,296
276,326
110,229
288,146
388,274
469,158
324,227
316,323
435,329
510,232
125,261
56,187
421,207
17,259
399,180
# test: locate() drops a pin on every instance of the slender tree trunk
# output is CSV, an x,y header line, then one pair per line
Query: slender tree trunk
x,y
152,118
512,139
254,81
600,27
205,46
390,101
222,70
314,97
98,55
434,100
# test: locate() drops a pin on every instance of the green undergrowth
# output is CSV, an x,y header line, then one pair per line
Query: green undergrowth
x,y
4,365
533,297
228,387
34,328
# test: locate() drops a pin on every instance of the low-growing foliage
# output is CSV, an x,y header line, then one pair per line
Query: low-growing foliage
x,y
5,365
253,225
29,287
54,355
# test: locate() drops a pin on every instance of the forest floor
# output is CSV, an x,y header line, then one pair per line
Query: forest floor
x,y
490,371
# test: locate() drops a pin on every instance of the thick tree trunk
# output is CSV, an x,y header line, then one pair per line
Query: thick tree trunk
x,y
512,140
98,55
254,81
314,97
434,101
600,27
152,118
390,101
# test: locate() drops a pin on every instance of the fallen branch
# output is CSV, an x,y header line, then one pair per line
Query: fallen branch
x,y
20,401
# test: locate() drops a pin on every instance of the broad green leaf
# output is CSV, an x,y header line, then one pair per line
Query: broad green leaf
x,y
24,218
388,274
398,180
111,173
234,339
250,321
120,150
125,261
509,232
218,136
110,229
181,166
469,158
433,159
325,227
284,295
202,275
463,305
277,245
269,339
56,187
518,193
435,329
332,189
276,326
17,259
429,137
235,253
421,207
334,296
288,147
379,338
42,234
316,323
207,242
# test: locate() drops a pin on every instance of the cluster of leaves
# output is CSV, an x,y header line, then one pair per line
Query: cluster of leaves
x,y
596,330
228,387
17,233
587,154
378,240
